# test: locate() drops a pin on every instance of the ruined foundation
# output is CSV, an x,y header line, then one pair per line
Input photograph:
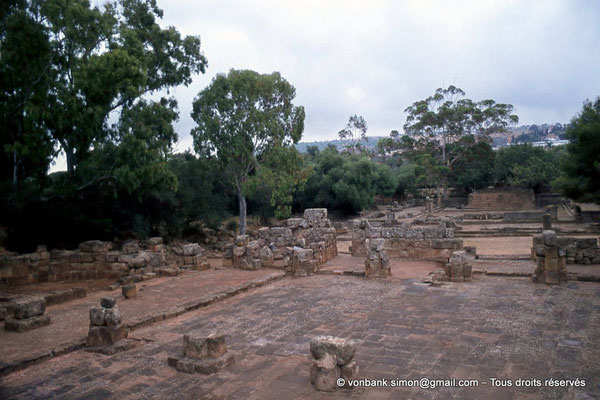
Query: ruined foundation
x,y
407,241
203,354
300,246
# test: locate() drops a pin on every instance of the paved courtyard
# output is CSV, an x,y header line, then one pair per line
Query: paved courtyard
x,y
494,327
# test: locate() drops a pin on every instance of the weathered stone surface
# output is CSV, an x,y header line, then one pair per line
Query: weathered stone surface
x,y
350,371
154,241
95,246
112,317
108,302
242,240
29,307
216,346
195,346
3,314
132,246
205,366
24,325
129,291
342,349
191,249
312,214
324,380
549,238
98,316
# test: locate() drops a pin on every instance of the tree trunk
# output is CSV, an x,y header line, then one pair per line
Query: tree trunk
x,y
242,203
70,160
15,169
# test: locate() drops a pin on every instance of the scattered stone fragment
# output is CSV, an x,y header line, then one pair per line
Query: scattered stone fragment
x,y
332,358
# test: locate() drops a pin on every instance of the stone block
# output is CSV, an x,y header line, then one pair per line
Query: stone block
x,y
97,316
155,241
95,246
312,214
195,346
324,380
191,249
242,240
342,349
129,291
549,238
131,246
216,346
112,317
24,325
108,302
29,307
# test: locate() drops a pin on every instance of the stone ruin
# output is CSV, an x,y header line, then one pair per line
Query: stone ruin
x,y
28,315
377,263
550,260
107,333
95,259
576,249
458,269
332,359
407,241
496,199
428,205
203,354
300,246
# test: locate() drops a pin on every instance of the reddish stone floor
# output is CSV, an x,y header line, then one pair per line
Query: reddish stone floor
x,y
70,321
493,327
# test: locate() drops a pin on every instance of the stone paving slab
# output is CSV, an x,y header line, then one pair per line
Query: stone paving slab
x,y
507,328
157,299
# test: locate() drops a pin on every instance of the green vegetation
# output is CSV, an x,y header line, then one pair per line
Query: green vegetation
x,y
580,175
76,79
242,116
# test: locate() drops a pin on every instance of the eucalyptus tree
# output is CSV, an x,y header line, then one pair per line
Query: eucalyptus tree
x,y
240,117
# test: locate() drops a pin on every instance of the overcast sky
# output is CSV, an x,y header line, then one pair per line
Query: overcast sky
x,y
375,58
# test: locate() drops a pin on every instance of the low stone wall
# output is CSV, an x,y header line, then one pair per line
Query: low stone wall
x,y
277,246
407,241
577,250
98,260
502,200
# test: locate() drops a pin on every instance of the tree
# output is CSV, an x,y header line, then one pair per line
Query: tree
x,y
526,166
447,116
355,131
346,182
25,59
580,170
240,117
104,60
474,168
280,173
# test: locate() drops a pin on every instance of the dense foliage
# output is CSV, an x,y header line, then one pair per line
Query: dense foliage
x,y
580,177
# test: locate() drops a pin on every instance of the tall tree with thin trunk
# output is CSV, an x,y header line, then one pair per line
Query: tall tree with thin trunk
x,y
241,116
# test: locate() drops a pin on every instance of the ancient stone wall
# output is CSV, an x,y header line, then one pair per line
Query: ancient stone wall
x,y
98,260
502,200
407,241
577,250
280,246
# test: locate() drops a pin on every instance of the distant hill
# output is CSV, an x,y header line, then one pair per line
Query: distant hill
x,y
518,134
338,143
